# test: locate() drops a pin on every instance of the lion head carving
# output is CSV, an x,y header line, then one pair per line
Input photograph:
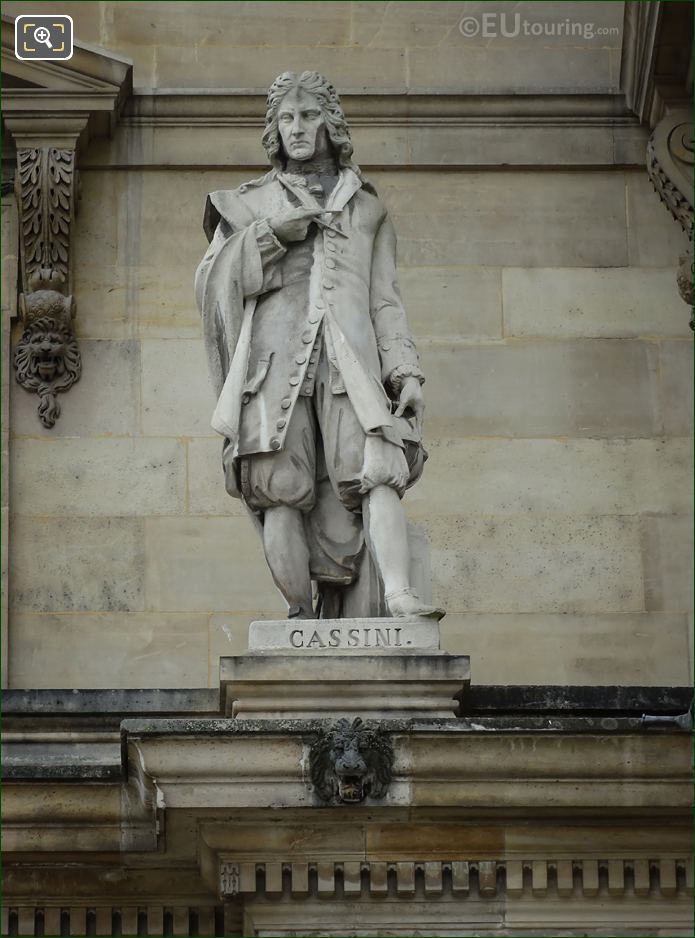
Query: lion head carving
x,y
350,761
47,360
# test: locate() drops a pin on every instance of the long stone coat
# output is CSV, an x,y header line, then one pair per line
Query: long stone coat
x,y
260,323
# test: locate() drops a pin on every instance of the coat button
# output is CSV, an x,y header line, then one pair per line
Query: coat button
x,y
319,304
330,263
275,443
327,285
294,381
313,319
245,398
286,403
300,359
307,337
331,246
385,348
281,424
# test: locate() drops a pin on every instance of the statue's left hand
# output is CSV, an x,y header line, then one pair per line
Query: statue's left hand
x,y
411,398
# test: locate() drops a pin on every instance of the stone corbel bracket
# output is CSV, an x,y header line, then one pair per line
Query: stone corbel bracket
x,y
47,358
670,168
51,110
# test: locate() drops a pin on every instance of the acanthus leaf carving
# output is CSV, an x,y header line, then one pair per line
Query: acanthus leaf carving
x,y
670,168
47,358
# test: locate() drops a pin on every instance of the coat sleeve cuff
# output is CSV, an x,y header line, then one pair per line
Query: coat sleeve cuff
x,y
400,373
399,360
269,246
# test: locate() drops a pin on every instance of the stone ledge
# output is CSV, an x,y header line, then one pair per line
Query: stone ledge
x,y
382,685
164,105
391,129
506,699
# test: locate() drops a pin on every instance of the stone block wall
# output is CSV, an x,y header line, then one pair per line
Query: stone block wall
x,y
558,494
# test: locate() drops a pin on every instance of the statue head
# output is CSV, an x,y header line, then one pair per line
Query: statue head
x,y
304,119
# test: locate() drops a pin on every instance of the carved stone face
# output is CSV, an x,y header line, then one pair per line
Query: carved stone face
x,y
350,768
301,125
350,762
47,360
47,353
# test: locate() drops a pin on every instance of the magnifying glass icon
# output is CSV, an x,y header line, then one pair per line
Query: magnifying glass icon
x,y
43,35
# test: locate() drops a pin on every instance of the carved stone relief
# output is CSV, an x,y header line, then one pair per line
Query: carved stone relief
x,y
670,168
229,879
350,761
47,359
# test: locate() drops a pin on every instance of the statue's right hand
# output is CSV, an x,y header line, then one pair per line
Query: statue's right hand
x,y
292,224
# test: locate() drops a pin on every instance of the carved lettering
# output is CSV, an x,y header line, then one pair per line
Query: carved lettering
x,y
339,637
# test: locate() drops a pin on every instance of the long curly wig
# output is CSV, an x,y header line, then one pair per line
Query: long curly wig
x,y
336,125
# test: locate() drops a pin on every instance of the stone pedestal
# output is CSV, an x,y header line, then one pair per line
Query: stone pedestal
x,y
372,668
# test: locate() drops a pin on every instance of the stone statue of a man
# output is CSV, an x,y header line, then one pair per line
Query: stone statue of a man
x,y
317,376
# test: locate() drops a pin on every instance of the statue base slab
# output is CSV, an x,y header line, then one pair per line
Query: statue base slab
x,y
371,668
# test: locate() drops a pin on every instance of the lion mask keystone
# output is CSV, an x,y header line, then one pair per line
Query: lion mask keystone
x,y
350,761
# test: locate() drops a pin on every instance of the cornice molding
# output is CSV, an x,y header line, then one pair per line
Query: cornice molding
x,y
88,90
234,107
653,82
640,37
473,878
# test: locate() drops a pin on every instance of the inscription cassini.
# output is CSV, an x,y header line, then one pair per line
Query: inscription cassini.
x,y
350,638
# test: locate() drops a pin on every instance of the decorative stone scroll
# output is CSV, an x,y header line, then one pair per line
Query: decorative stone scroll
x,y
47,358
670,168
